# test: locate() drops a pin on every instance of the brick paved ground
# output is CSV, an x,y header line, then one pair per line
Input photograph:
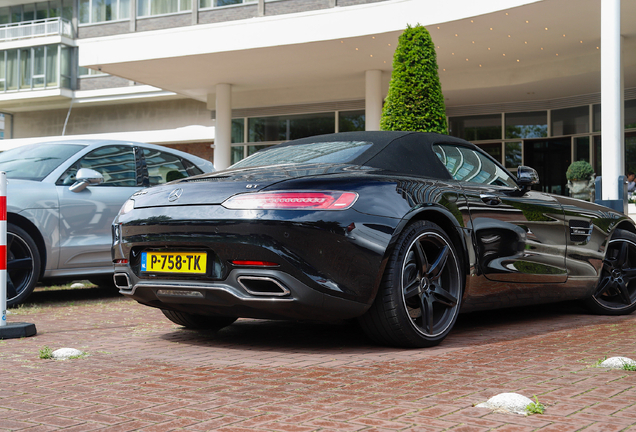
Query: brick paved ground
x,y
143,373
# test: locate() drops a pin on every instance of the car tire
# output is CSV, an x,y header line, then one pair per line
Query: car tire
x,y
199,322
615,293
23,265
421,290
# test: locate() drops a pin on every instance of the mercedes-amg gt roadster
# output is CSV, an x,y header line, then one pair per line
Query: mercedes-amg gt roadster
x,y
401,230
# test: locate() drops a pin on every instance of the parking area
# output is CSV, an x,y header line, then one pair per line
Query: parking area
x,y
144,373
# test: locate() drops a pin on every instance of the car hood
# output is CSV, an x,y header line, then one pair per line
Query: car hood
x,y
214,188
29,194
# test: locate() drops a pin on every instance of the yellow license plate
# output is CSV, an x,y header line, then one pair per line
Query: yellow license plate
x,y
173,262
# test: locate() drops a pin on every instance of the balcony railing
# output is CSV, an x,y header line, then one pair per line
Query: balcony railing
x,y
38,28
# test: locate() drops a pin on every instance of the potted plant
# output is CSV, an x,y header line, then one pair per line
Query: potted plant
x,y
580,175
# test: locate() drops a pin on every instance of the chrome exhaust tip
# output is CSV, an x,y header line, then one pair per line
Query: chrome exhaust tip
x,y
122,281
263,286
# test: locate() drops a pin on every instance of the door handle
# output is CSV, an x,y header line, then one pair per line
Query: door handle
x,y
490,199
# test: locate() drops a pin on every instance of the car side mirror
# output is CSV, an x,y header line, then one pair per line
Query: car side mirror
x,y
526,177
85,177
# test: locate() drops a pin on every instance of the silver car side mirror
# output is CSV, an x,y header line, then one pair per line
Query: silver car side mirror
x,y
85,177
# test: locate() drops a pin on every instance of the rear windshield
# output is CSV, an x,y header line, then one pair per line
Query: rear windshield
x,y
320,152
36,161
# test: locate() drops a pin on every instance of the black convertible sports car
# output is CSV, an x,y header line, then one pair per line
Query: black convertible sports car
x,y
401,230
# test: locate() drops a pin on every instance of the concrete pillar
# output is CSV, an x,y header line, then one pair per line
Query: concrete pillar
x,y
373,99
195,12
612,133
223,127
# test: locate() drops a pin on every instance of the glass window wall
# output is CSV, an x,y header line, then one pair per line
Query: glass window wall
x,y
476,128
630,114
526,135
38,11
35,68
162,7
219,3
351,121
284,128
513,155
596,117
5,126
86,72
527,124
570,121
581,149
275,129
96,11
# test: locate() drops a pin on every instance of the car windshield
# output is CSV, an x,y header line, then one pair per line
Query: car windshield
x,y
319,152
36,161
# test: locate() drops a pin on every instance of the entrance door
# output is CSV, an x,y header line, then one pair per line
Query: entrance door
x,y
551,158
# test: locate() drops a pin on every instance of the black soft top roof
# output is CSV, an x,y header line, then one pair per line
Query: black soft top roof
x,y
404,152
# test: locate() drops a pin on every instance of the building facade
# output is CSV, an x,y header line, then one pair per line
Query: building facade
x,y
225,78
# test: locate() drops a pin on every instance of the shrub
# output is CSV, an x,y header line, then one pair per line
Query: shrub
x,y
579,170
415,101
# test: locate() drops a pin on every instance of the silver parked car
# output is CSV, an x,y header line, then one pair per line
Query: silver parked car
x,y
62,198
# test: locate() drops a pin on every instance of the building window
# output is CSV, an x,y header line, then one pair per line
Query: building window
x,y
276,129
596,117
527,125
35,68
513,155
351,121
37,11
570,121
285,128
95,11
219,3
476,128
84,72
5,126
162,7
630,114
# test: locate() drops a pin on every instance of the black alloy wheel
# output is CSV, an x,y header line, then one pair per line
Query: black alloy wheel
x,y
615,293
23,265
421,290
198,322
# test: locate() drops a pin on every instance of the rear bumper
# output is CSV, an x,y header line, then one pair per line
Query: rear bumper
x,y
254,293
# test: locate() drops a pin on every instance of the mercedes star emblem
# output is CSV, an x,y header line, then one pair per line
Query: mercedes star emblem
x,y
175,194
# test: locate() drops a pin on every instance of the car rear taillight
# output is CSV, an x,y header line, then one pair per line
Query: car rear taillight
x,y
288,200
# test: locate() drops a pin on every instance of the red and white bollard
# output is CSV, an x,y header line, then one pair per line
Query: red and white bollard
x,y
13,330
3,247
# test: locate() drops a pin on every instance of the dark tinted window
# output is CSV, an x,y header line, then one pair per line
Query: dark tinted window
x,y
115,163
469,165
36,161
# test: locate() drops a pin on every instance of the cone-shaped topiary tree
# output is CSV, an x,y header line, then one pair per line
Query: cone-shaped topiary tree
x,y
415,101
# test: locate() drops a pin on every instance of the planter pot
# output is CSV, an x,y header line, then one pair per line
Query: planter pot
x,y
582,189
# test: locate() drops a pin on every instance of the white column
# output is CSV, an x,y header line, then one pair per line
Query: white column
x,y
373,99
223,127
612,136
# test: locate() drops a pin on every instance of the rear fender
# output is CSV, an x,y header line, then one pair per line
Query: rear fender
x,y
446,220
